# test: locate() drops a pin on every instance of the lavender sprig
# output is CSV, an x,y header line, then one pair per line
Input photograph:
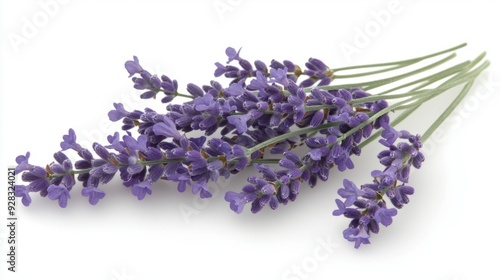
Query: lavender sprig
x,y
366,205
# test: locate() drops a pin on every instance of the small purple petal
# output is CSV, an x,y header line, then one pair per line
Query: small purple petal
x,y
240,121
133,67
341,208
69,142
60,193
167,128
232,54
140,190
384,215
94,194
23,164
23,191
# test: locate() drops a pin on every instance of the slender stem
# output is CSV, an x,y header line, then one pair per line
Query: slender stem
x,y
388,97
285,136
430,81
402,61
447,112
371,72
431,78
377,83
75,172
447,85
145,163
72,172
184,95
409,109
318,107
264,160
411,73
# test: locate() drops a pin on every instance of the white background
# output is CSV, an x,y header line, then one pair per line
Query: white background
x,y
69,70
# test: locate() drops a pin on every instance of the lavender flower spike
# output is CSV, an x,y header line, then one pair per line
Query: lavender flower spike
x,y
366,205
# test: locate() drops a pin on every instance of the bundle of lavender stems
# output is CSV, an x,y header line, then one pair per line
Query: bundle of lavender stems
x,y
294,125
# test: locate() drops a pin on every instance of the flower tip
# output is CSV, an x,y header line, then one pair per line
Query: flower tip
x,y
133,67
229,196
23,163
232,54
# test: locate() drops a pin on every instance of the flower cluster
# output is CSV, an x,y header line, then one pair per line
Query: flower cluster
x,y
268,106
344,128
188,162
366,205
278,114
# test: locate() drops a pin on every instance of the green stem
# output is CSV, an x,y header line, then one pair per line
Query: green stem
x,y
409,74
378,83
447,112
409,109
179,94
266,161
371,72
145,163
184,95
407,61
285,136
460,79
431,78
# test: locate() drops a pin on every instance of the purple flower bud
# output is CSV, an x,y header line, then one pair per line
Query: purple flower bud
x,y
268,189
317,118
274,202
246,65
260,66
284,191
286,163
295,187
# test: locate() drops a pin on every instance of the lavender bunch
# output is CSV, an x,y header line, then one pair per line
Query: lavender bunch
x,y
262,117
